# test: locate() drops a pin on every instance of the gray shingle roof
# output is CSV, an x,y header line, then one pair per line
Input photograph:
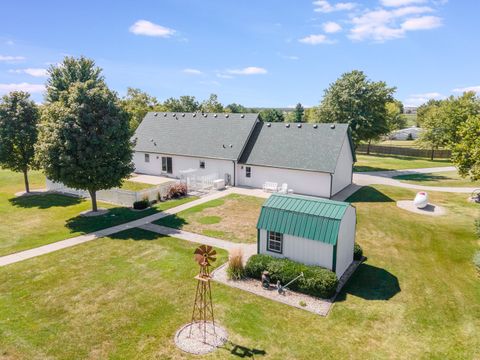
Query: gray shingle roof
x,y
293,147
192,134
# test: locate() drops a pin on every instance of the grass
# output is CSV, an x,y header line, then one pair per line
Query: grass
x,y
401,143
446,178
31,221
416,297
231,218
381,163
135,186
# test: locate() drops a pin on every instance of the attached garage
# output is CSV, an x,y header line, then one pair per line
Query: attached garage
x,y
309,230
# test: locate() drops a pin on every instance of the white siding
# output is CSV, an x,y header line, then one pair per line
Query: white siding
x,y
346,240
301,182
306,251
154,167
343,172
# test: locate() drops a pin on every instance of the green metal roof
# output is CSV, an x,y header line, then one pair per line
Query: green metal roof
x,y
303,216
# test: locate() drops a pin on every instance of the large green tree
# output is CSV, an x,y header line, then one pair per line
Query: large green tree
x,y
236,108
19,117
466,153
395,119
271,115
298,113
211,105
136,104
84,138
359,102
183,104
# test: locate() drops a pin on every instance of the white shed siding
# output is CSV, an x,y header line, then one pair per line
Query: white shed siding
x,y
301,182
179,163
309,252
343,172
346,240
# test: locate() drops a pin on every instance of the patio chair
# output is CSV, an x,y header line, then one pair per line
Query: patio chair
x,y
283,189
270,186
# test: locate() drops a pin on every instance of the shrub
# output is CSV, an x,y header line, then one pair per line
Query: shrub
x,y
317,281
235,270
177,190
140,205
357,252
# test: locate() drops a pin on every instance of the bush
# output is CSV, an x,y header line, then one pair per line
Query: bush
x,y
357,252
235,270
140,205
177,190
317,281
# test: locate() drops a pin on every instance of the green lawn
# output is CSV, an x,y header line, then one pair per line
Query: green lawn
x,y
446,178
231,218
416,297
31,221
380,163
135,186
400,143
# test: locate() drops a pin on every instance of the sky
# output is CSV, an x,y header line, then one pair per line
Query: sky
x,y
257,53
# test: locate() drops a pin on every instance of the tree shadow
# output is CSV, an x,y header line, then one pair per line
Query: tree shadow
x,y
44,201
421,177
136,234
173,221
368,194
371,283
243,351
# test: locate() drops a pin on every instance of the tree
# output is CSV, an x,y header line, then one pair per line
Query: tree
x,y
183,104
236,108
434,132
84,138
359,102
299,113
395,119
70,71
211,105
137,104
271,115
466,153
18,133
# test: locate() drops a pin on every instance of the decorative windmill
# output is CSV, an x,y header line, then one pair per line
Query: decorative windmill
x,y
203,308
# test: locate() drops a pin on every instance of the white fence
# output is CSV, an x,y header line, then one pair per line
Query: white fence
x,y
116,196
201,182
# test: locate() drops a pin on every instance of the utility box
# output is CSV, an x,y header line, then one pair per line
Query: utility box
x,y
219,184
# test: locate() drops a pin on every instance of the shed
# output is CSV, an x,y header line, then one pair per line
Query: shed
x,y
310,230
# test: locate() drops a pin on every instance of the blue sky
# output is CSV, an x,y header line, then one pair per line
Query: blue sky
x,y
257,53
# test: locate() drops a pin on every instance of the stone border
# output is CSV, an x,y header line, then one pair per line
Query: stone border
x,y
91,213
217,336
430,209
313,304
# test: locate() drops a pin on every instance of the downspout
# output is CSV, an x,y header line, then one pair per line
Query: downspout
x,y
331,185
234,173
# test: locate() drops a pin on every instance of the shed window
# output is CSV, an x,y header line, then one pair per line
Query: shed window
x,y
248,171
147,157
275,242
202,164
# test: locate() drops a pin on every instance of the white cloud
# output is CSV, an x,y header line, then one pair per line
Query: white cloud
x,y
11,59
291,57
467,89
192,72
224,76
147,28
9,42
31,88
325,7
419,99
395,3
316,39
36,72
331,27
250,70
381,25
422,23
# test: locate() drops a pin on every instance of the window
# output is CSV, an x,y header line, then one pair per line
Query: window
x,y
248,171
202,164
275,242
147,157
167,164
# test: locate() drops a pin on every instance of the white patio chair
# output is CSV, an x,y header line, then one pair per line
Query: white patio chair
x,y
270,186
283,189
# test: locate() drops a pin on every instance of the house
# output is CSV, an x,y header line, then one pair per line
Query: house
x,y
411,133
310,230
313,159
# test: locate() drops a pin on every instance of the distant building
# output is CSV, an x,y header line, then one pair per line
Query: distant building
x,y
411,133
409,110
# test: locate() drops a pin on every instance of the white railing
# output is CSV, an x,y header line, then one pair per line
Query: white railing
x,y
200,182
116,196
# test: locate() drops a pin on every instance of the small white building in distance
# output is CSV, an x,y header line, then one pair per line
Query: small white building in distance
x,y
313,159
309,230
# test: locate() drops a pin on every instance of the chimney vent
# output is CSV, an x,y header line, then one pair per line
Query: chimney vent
x,y
332,126
287,125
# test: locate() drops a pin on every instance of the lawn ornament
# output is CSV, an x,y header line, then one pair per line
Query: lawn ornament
x,y
421,200
204,255
266,280
281,289
475,197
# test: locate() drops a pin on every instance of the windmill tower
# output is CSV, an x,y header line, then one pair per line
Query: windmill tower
x,y
203,307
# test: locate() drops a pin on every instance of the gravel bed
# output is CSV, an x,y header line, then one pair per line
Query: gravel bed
x,y
311,303
189,338
430,209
